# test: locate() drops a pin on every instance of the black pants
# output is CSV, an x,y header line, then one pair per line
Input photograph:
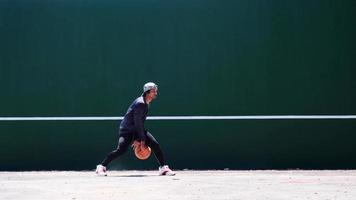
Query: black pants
x,y
125,141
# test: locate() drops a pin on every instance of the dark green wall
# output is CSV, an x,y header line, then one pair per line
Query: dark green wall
x,y
211,57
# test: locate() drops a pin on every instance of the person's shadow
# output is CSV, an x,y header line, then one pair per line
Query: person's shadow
x,y
134,176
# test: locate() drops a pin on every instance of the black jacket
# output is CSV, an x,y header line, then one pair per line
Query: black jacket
x,y
133,122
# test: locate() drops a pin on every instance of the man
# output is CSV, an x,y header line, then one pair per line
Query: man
x,y
132,129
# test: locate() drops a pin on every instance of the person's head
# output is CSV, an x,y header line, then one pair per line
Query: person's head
x,y
150,90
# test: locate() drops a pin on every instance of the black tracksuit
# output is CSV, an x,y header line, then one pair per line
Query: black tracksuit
x,y
132,128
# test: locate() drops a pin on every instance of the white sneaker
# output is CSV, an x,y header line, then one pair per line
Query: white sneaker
x,y
165,171
101,170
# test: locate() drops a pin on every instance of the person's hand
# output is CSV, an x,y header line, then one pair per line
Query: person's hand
x,y
135,144
143,144
142,151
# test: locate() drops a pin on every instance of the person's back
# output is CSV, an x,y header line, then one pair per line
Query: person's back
x,y
135,117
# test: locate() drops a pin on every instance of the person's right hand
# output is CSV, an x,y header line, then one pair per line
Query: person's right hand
x,y
143,144
135,144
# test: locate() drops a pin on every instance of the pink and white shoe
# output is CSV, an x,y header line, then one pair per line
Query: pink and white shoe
x,y
101,170
165,171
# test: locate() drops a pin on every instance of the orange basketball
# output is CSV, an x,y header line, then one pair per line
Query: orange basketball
x,y
142,153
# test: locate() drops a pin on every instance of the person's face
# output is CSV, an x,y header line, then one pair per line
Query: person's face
x,y
153,93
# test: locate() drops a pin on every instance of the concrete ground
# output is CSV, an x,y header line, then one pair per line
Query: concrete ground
x,y
192,185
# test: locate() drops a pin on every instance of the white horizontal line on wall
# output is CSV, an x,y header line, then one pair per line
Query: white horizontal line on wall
x,y
242,117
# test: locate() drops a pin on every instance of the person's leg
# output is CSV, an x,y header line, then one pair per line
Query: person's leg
x,y
152,142
123,144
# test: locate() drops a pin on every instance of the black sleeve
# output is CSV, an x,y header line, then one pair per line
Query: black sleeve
x,y
138,120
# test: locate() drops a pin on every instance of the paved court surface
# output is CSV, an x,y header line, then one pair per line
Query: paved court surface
x,y
192,185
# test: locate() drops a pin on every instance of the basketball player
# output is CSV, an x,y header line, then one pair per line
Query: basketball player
x,y
132,128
